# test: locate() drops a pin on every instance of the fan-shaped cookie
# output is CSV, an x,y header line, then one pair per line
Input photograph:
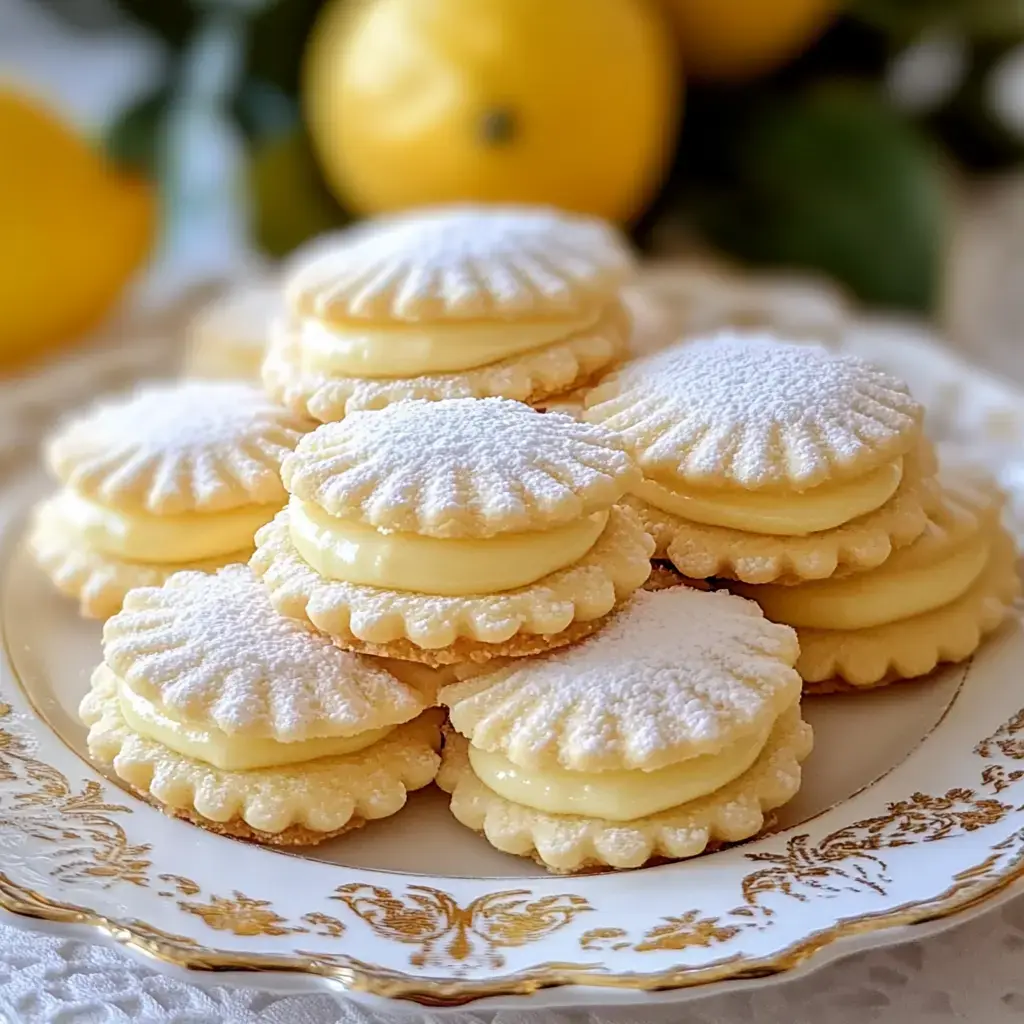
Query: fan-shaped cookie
x,y
931,601
460,263
300,803
460,468
702,551
747,411
555,610
675,675
568,843
834,660
578,354
211,649
99,582
164,449
227,339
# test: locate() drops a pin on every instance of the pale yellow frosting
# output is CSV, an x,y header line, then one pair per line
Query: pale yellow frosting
x,y
141,537
342,549
413,350
230,753
615,795
874,598
786,514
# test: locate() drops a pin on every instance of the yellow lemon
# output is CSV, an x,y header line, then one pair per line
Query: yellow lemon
x,y
572,103
72,231
740,38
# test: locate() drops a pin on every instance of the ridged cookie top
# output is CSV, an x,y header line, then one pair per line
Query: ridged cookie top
x,y
196,446
212,651
465,263
677,674
747,410
460,468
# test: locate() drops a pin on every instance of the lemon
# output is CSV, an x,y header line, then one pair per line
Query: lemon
x,y
572,103
728,39
72,231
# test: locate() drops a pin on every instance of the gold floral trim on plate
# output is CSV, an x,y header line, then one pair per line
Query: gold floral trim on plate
x,y
617,565
457,936
529,377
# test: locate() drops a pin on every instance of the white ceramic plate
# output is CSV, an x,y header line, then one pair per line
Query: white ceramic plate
x,y
912,811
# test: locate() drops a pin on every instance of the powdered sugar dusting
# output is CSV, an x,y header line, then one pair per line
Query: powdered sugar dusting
x,y
463,262
170,448
676,674
749,410
212,650
460,468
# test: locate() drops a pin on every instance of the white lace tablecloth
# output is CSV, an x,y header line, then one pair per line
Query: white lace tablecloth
x,y
970,973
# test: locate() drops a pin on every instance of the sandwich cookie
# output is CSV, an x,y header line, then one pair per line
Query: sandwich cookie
x,y
458,530
454,302
768,462
931,602
218,710
169,477
227,339
674,728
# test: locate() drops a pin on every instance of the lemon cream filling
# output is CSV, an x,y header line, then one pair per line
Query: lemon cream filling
x,y
412,350
340,549
616,795
876,597
790,514
227,752
141,537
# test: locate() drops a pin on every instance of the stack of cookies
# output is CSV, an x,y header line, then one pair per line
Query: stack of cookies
x,y
460,302
800,479
426,542
227,338
170,477
220,711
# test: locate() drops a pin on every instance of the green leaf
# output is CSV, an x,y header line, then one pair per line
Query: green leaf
x,y
264,112
290,202
836,181
277,41
135,137
173,20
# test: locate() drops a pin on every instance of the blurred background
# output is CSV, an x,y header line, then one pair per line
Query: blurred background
x,y
155,146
